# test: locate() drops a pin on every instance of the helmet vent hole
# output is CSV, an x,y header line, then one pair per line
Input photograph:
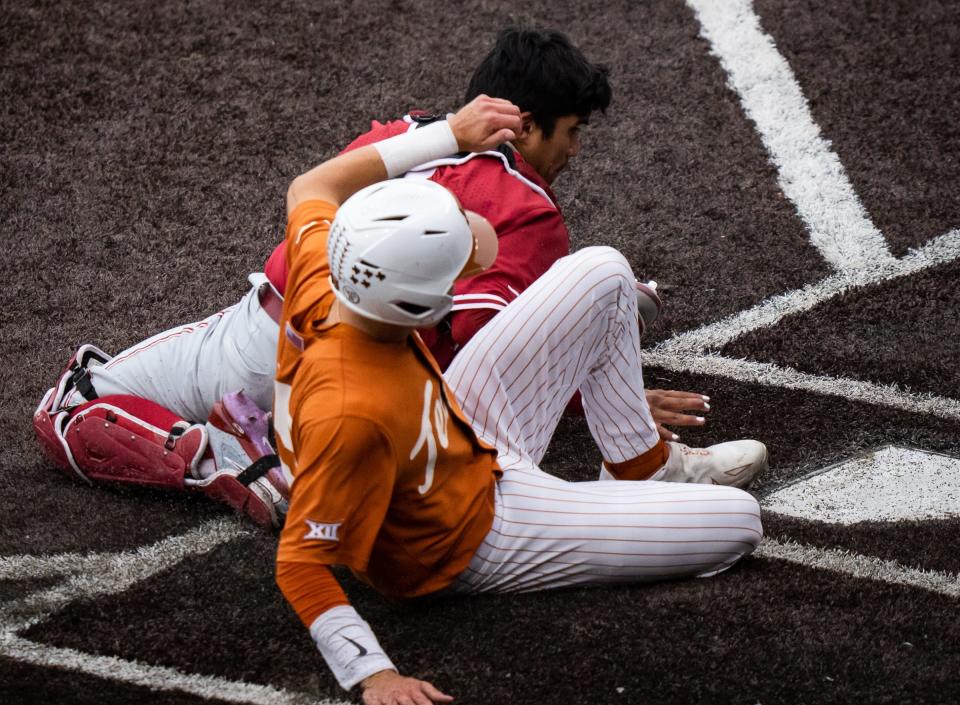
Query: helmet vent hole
x,y
434,232
411,308
390,218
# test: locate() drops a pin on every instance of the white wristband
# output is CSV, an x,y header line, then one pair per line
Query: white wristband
x,y
402,153
348,646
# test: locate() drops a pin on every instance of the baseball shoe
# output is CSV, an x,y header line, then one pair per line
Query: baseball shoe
x,y
649,305
734,463
241,468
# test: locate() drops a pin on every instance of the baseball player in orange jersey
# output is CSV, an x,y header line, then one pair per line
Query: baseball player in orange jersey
x,y
393,479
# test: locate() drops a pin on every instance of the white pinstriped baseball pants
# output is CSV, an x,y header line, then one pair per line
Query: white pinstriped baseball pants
x,y
576,328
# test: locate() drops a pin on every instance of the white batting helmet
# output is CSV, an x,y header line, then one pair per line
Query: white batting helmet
x,y
395,250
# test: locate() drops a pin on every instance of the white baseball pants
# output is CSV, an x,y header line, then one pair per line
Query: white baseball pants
x,y
189,368
576,328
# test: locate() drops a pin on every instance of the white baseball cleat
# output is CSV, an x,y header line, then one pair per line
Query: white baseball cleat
x,y
734,463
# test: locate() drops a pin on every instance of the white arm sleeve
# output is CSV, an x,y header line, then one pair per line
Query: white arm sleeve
x,y
348,645
401,153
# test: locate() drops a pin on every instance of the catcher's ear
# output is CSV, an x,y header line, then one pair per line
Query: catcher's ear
x,y
527,127
485,245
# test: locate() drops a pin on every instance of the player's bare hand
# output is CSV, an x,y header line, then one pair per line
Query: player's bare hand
x,y
485,123
674,408
390,688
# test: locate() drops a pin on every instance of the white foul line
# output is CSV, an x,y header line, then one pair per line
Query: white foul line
x,y
859,566
810,173
941,250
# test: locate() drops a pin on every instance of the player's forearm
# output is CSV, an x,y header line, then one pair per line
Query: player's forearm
x,y
336,180
481,124
310,588
348,645
343,638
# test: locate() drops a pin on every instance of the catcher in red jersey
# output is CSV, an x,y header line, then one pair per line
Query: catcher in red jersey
x,y
175,379
421,481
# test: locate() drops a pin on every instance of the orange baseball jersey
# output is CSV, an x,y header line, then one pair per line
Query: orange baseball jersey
x,y
389,478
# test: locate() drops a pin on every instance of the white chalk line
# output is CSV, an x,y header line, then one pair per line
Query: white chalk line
x,y
811,176
152,677
786,377
96,574
203,537
809,172
687,352
860,566
939,251
103,573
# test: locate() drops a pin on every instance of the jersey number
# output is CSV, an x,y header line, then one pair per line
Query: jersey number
x,y
433,429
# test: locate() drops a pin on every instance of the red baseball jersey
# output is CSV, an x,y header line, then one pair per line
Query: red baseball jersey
x,y
519,204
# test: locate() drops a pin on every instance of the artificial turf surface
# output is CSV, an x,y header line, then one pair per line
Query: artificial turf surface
x,y
145,153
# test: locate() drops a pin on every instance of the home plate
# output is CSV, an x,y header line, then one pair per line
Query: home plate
x,y
889,484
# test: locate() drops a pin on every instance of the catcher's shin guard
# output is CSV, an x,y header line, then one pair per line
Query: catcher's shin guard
x,y
129,440
247,473
123,439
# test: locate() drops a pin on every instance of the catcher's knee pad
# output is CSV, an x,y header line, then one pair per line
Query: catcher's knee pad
x,y
53,413
247,473
76,377
126,439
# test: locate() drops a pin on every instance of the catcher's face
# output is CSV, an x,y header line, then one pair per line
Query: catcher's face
x,y
549,155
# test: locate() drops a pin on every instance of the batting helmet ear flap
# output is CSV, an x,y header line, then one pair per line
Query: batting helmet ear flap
x,y
485,245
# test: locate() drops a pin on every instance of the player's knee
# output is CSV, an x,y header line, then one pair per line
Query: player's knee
x,y
603,265
745,521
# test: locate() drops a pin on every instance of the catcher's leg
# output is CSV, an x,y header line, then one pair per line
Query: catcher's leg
x,y
242,468
187,369
127,440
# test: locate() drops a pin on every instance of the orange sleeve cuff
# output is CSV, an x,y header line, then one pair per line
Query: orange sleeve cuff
x,y
310,588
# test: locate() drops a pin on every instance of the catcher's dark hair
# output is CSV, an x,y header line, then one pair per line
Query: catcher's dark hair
x,y
541,72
